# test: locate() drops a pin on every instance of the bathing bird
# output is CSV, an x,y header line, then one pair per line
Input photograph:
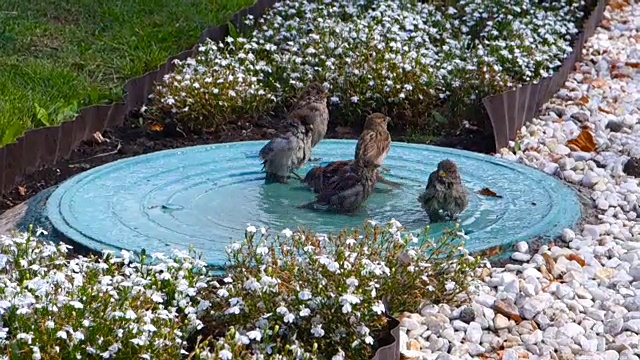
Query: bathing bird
x,y
305,125
351,183
444,196
373,146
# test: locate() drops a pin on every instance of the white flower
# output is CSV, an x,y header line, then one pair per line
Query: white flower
x,y
262,250
289,318
352,282
338,356
304,295
251,229
225,355
282,310
450,285
254,335
287,233
378,307
76,304
317,330
233,310
41,231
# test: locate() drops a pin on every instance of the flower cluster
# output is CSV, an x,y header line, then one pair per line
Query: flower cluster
x,y
326,297
54,306
408,57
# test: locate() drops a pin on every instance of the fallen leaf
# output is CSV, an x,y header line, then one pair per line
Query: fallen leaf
x,y
545,273
605,110
413,345
633,64
488,192
156,127
577,258
584,141
22,190
584,100
508,309
550,264
599,82
619,75
491,251
617,4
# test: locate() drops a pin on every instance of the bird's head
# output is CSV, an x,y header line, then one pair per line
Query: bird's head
x,y
376,121
314,91
447,170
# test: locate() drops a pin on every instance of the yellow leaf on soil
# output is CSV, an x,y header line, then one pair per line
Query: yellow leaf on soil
x,y
156,127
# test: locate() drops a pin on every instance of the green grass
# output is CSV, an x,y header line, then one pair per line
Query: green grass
x,y
57,56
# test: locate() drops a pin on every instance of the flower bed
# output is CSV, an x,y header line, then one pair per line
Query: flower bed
x,y
319,298
426,64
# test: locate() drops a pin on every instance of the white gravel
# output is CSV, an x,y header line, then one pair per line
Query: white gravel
x,y
549,304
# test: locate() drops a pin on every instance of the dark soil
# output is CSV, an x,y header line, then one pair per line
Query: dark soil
x,y
132,138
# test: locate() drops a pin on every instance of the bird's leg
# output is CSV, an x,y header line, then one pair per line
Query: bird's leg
x,y
385,181
296,176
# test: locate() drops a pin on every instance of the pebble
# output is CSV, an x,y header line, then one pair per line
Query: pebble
x,y
580,298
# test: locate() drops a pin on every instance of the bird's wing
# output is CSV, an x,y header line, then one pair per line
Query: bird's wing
x,y
319,176
280,144
432,179
345,180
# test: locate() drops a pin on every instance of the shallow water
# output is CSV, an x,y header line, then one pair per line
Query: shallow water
x,y
207,195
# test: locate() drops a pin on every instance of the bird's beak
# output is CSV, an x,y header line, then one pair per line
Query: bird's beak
x,y
442,173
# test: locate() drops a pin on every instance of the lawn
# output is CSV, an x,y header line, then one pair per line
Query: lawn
x,y
57,56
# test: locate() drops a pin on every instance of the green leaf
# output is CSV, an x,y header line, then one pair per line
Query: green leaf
x,y
439,118
42,115
517,146
11,132
233,32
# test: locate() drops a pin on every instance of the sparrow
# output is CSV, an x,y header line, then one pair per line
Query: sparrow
x,y
349,183
290,149
313,98
347,190
444,196
375,141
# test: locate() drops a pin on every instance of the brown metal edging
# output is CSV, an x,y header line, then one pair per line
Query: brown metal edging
x,y
512,109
